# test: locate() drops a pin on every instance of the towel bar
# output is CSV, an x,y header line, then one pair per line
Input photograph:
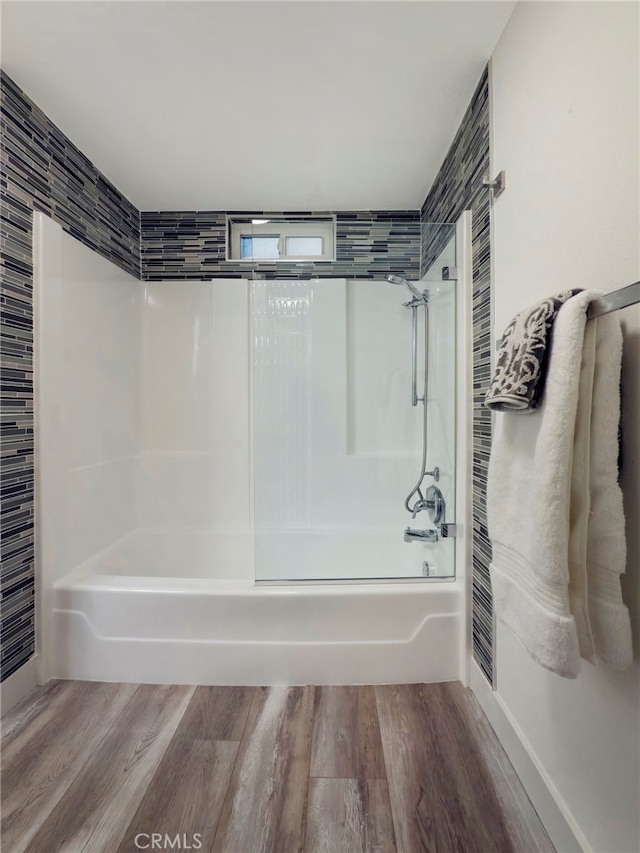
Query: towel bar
x,y
614,301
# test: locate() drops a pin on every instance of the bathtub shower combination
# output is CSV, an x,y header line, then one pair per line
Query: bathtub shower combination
x,y
246,482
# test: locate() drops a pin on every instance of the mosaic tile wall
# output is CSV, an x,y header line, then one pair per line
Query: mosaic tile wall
x,y
41,169
458,187
435,236
191,245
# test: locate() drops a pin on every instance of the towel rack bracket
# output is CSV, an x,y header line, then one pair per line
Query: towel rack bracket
x,y
498,184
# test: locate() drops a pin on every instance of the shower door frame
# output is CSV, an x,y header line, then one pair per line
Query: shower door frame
x,y
464,435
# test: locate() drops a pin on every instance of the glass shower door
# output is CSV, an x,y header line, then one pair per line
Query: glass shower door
x,y
439,258
337,444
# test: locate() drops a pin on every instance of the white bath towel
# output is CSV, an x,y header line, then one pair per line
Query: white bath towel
x,y
555,570
580,497
606,544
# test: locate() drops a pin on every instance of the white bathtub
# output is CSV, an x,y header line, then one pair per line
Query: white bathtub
x,y
127,616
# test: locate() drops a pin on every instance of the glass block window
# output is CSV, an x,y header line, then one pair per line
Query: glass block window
x,y
303,239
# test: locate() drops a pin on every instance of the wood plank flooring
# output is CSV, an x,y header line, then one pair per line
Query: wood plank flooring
x,y
100,768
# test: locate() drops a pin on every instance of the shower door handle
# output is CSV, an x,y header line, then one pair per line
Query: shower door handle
x,y
414,357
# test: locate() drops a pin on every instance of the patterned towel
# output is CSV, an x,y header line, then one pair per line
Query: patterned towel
x,y
518,381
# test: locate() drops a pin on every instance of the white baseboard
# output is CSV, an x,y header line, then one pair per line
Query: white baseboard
x,y
551,808
19,683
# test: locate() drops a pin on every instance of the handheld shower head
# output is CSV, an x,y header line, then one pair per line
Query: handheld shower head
x,y
398,279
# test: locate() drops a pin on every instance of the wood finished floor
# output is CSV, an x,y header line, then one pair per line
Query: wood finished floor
x,y
88,768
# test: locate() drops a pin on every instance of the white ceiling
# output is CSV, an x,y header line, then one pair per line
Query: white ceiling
x,y
256,105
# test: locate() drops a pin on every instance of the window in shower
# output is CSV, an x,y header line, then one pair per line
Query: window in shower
x,y
337,445
277,239
264,247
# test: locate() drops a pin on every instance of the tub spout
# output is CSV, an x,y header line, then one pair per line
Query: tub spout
x,y
412,535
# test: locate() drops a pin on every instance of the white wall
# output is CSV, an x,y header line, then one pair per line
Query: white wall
x,y
565,80
86,431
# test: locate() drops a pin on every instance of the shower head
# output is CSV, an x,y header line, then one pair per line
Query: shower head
x,y
398,279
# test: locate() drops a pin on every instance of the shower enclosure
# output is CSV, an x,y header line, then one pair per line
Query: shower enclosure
x,y
227,454
353,401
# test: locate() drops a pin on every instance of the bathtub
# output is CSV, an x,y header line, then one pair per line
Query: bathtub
x,y
131,615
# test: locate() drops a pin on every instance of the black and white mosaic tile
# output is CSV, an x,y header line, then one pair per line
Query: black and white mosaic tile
x,y
43,170
458,187
191,245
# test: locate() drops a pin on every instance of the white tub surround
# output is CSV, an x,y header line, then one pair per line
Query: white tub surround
x,y
86,352
149,561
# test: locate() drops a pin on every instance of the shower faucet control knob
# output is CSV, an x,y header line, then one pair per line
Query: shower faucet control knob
x,y
419,506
